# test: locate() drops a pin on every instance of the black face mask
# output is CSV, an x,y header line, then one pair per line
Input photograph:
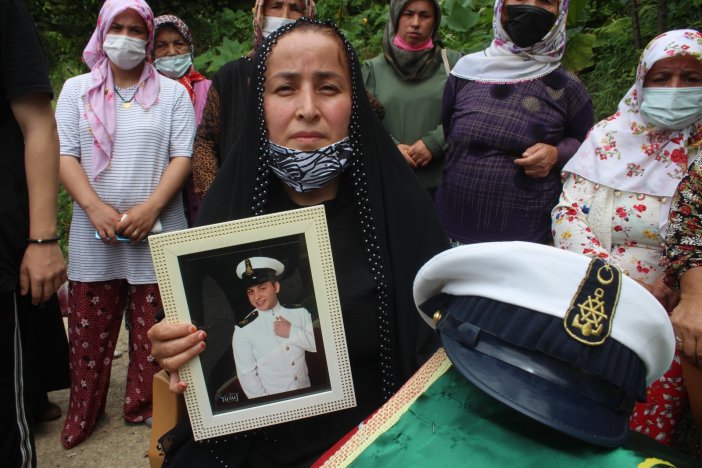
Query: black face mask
x,y
527,25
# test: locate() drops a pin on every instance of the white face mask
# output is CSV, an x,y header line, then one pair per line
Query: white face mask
x,y
271,23
174,66
124,51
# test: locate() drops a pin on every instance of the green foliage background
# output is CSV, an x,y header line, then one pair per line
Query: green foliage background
x,y
600,36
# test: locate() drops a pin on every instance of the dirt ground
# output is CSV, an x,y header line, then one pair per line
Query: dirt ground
x,y
114,442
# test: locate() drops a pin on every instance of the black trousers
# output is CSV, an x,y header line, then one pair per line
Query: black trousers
x,y
16,421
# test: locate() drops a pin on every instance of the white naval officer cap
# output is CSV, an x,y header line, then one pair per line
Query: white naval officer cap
x,y
565,339
257,270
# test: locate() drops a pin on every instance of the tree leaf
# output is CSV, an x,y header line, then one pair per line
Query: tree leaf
x,y
576,9
461,18
579,54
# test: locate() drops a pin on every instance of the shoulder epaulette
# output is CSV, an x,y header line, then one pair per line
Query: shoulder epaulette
x,y
248,319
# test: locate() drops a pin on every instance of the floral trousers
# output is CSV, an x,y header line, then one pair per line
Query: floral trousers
x,y
666,399
94,319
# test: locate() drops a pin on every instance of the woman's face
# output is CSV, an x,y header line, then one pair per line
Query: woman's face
x,y
129,23
290,9
548,5
416,23
169,42
681,71
307,96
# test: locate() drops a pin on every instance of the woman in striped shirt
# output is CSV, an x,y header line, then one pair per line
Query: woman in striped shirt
x,y
126,137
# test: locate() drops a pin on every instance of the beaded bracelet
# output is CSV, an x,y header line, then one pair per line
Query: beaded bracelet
x,y
50,240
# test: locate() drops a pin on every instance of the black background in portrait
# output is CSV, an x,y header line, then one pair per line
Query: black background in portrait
x,y
217,300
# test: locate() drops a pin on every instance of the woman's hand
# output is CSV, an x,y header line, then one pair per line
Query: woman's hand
x,y
405,151
668,298
137,222
687,316
420,154
105,219
538,160
687,323
174,344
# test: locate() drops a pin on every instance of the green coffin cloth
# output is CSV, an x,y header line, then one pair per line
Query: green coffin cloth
x,y
440,419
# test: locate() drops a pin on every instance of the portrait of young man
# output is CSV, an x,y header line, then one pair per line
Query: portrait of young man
x,y
269,344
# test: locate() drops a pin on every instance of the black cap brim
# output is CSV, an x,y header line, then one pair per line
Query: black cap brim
x,y
540,399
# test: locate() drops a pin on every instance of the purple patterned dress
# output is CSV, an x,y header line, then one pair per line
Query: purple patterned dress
x,y
483,195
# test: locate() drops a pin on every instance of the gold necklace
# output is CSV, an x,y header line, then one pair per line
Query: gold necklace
x,y
125,103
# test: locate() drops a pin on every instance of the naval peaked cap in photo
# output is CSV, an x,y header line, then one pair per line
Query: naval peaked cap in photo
x,y
257,270
560,337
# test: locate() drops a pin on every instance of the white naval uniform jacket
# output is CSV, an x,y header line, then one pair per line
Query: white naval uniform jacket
x,y
267,363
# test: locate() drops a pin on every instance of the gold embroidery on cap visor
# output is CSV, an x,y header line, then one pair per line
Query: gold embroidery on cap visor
x,y
591,314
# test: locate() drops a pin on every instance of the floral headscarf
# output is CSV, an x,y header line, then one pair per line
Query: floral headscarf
x,y
179,25
100,97
505,62
258,16
626,153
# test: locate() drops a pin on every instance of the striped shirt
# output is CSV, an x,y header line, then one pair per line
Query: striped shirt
x,y
144,142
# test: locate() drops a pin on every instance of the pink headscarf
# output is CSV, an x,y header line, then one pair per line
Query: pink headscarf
x,y
100,97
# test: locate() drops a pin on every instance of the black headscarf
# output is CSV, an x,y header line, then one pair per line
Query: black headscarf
x,y
399,225
231,85
411,66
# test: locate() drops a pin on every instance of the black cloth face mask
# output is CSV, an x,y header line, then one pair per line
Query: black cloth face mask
x,y
527,25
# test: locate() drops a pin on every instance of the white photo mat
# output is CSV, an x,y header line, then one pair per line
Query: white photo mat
x,y
310,225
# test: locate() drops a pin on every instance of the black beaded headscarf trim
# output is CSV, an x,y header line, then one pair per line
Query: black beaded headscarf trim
x,y
360,189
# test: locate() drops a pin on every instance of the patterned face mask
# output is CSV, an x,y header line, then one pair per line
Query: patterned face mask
x,y
303,171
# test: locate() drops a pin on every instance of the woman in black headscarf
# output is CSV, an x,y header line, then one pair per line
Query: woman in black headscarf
x,y
381,222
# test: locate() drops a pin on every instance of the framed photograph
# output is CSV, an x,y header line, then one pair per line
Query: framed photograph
x,y
264,290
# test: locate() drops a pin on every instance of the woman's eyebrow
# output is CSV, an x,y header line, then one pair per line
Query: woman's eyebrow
x,y
317,74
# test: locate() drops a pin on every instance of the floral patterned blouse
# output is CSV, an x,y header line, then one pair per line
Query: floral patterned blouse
x,y
684,239
636,242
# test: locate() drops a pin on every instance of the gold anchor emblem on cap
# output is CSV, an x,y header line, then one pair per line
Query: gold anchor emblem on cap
x,y
249,268
591,313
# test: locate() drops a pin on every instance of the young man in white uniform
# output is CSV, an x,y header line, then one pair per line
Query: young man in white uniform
x,y
270,342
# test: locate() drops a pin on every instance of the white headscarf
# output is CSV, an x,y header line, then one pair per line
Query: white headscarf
x,y
505,62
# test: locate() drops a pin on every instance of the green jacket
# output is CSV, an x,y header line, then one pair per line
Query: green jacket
x,y
412,109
